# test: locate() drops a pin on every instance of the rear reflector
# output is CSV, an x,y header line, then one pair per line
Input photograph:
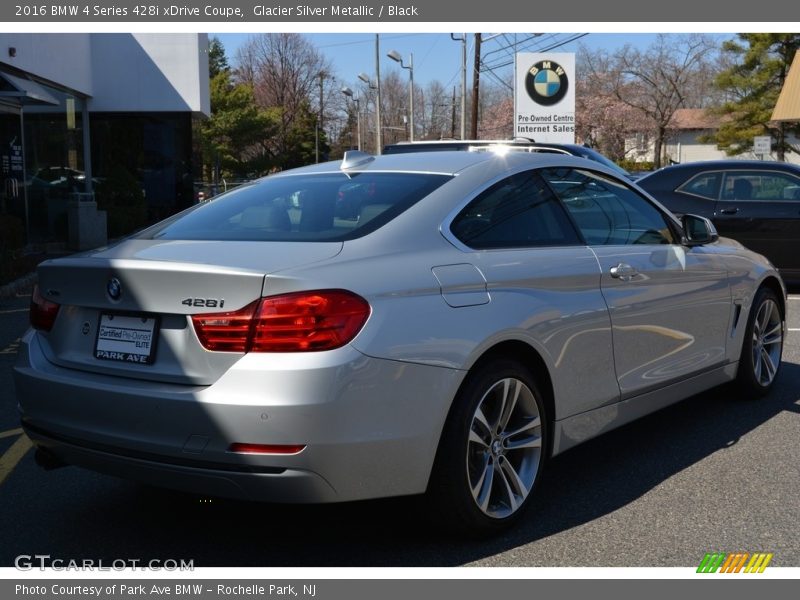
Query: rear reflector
x,y
43,312
266,449
298,322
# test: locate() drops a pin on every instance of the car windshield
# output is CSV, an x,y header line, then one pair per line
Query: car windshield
x,y
321,207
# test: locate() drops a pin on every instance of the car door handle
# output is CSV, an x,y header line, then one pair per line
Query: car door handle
x,y
729,211
623,272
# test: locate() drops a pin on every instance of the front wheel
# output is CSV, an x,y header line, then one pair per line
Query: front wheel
x,y
763,345
491,451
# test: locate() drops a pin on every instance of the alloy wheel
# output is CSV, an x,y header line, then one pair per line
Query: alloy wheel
x,y
504,449
767,342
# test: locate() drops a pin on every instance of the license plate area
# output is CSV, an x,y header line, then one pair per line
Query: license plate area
x,y
129,338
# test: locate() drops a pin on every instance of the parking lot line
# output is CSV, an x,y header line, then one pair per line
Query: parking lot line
x,y
10,432
13,455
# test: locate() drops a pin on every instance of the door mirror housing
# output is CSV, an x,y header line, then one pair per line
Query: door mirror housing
x,y
698,230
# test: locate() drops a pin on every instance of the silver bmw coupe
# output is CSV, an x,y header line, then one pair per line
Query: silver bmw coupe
x,y
383,326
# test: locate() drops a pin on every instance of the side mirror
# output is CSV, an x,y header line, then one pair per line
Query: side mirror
x,y
698,230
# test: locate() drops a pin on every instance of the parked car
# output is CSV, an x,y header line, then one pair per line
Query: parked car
x,y
481,314
504,146
754,202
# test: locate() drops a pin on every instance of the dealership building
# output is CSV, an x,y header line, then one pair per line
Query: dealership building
x,y
95,115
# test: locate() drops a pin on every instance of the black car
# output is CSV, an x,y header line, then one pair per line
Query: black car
x,y
754,202
505,146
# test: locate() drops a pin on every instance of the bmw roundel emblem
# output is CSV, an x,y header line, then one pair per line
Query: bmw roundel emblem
x,y
546,82
114,288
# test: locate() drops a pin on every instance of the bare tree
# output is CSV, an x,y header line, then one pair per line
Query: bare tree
x,y
602,120
394,106
670,74
496,111
285,71
438,110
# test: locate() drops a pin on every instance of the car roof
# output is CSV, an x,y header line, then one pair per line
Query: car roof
x,y
466,144
669,175
730,164
447,163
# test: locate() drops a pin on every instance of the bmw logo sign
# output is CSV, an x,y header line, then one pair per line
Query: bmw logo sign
x,y
114,288
546,82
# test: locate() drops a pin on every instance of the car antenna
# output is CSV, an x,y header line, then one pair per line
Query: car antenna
x,y
355,158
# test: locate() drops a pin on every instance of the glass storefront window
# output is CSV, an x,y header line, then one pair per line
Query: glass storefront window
x,y
143,165
54,163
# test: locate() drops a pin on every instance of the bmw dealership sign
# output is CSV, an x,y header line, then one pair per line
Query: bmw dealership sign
x,y
544,97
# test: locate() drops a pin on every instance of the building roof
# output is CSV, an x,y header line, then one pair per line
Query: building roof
x,y
788,106
694,118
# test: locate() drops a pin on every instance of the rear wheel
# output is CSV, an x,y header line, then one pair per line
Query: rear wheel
x,y
763,345
492,450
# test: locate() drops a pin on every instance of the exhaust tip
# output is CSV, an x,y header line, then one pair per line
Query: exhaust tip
x,y
47,460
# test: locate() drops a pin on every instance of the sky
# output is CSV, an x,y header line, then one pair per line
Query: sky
x,y
436,56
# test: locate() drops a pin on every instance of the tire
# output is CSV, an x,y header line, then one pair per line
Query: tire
x,y
490,456
762,348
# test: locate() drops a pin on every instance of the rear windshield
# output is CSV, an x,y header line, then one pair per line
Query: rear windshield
x,y
324,208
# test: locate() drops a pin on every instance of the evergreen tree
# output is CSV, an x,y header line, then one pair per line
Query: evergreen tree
x,y
217,61
752,84
234,137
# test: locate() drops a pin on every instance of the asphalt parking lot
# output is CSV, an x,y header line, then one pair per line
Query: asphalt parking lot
x,y
710,474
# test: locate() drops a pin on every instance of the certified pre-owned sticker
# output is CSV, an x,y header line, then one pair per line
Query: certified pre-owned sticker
x,y
126,338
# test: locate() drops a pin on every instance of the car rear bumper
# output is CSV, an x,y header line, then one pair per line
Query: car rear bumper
x,y
370,427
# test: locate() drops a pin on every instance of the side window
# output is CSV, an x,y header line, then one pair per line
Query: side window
x,y
769,186
705,185
607,211
517,212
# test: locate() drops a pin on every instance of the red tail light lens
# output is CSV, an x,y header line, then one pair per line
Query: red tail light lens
x,y
299,322
225,332
43,312
308,321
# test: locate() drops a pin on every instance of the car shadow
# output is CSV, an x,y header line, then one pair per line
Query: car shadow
x,y
582,485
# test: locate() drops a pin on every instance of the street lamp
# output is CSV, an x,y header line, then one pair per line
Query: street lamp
x,y
349,93
395,56
373,86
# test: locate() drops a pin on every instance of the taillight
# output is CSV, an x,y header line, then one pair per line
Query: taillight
x,y
225,332
43,312
298,322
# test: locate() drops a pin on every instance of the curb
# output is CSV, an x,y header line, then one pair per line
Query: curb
x,y
22,284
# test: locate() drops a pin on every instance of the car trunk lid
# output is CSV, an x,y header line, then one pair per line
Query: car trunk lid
x,y
140,294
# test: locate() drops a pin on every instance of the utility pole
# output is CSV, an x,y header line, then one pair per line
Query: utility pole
x,y
453,118
318,128
379,143
476,75
463,40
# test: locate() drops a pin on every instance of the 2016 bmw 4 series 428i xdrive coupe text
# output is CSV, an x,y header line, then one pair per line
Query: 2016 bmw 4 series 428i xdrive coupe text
x,y
387,326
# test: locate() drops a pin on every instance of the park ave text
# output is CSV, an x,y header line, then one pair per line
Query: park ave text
x,y
178,589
